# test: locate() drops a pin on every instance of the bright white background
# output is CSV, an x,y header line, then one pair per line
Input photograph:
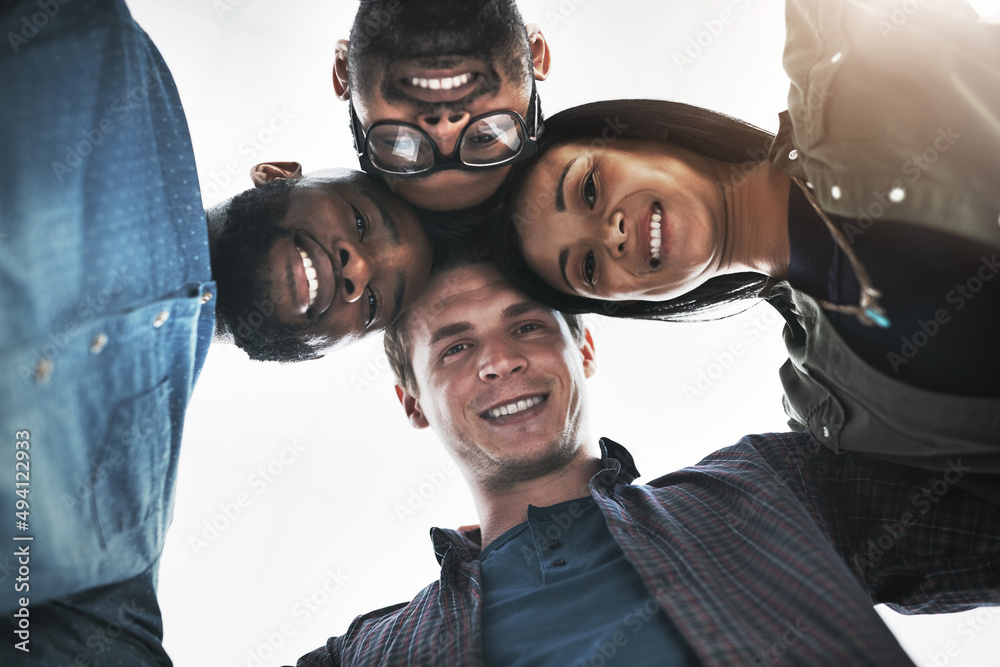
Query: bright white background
x,y
304,497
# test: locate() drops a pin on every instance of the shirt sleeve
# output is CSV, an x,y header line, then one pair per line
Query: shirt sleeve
x,y
916,540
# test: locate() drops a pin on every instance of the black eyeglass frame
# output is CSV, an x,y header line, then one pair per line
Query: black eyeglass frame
x,y
441,163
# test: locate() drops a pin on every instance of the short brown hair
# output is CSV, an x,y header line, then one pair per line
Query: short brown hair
x,y
397,343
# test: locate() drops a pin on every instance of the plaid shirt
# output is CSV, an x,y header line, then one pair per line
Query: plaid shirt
x,y
755,554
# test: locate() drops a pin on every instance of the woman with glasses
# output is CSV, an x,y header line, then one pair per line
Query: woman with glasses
x,y
870,222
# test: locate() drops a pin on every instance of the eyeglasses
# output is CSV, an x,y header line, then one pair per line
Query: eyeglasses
x,y
403,150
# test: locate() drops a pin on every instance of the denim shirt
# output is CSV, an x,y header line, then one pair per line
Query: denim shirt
x,y
890,119
106,295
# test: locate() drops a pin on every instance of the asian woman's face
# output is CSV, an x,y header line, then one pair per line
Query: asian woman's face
x,y
632,220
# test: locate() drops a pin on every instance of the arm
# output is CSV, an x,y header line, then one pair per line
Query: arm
x,y
914,539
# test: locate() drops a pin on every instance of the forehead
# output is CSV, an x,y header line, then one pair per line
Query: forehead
x,y
476,294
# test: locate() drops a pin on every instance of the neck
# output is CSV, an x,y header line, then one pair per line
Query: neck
x,y
500,509
756,222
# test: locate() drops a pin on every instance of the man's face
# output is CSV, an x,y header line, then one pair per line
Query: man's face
x,y
499,376
437,65
346,259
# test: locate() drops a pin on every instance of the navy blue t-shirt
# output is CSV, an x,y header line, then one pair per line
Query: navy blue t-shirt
x,y
941,294
558,590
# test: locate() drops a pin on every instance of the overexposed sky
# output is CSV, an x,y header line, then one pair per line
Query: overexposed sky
x,y
304,497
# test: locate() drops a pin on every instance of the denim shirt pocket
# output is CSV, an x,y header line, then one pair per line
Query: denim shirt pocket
x,y
139,464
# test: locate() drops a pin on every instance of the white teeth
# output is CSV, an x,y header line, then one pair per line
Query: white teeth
x,y
655,235
440,84
514,408
310,276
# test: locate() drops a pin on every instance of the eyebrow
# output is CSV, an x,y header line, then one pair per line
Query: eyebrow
x,y
390,224
563,259
560,199
450,330
397,295
521,308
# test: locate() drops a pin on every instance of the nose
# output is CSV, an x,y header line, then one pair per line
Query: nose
x,y
499,360
444,127
614,234
355,271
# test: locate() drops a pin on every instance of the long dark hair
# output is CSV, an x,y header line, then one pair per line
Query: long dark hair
x,y
709,133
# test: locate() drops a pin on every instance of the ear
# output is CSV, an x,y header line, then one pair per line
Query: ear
x,y
587,350
265,172
340,79
541,57
411,406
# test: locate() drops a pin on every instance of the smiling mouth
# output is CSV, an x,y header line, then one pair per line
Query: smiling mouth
x,y
514,407
446,83
439,85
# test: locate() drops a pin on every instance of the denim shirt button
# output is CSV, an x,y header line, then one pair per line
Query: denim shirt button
x,y
161,318
206,297
826,432
43,370
608,478
97,345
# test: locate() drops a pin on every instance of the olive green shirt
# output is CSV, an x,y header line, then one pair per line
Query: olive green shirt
x,y
893,113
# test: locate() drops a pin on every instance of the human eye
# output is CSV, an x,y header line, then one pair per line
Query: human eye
x,y
455,349
360,222
589,190
372,305
589,267
481,139
528,328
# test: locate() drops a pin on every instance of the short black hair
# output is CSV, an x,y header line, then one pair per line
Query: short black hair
x,y
243,231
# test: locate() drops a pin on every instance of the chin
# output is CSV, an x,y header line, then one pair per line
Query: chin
x,y
450,190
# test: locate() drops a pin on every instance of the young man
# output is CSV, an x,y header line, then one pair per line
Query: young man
x,y
442,95
108,306
751,556
304,263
